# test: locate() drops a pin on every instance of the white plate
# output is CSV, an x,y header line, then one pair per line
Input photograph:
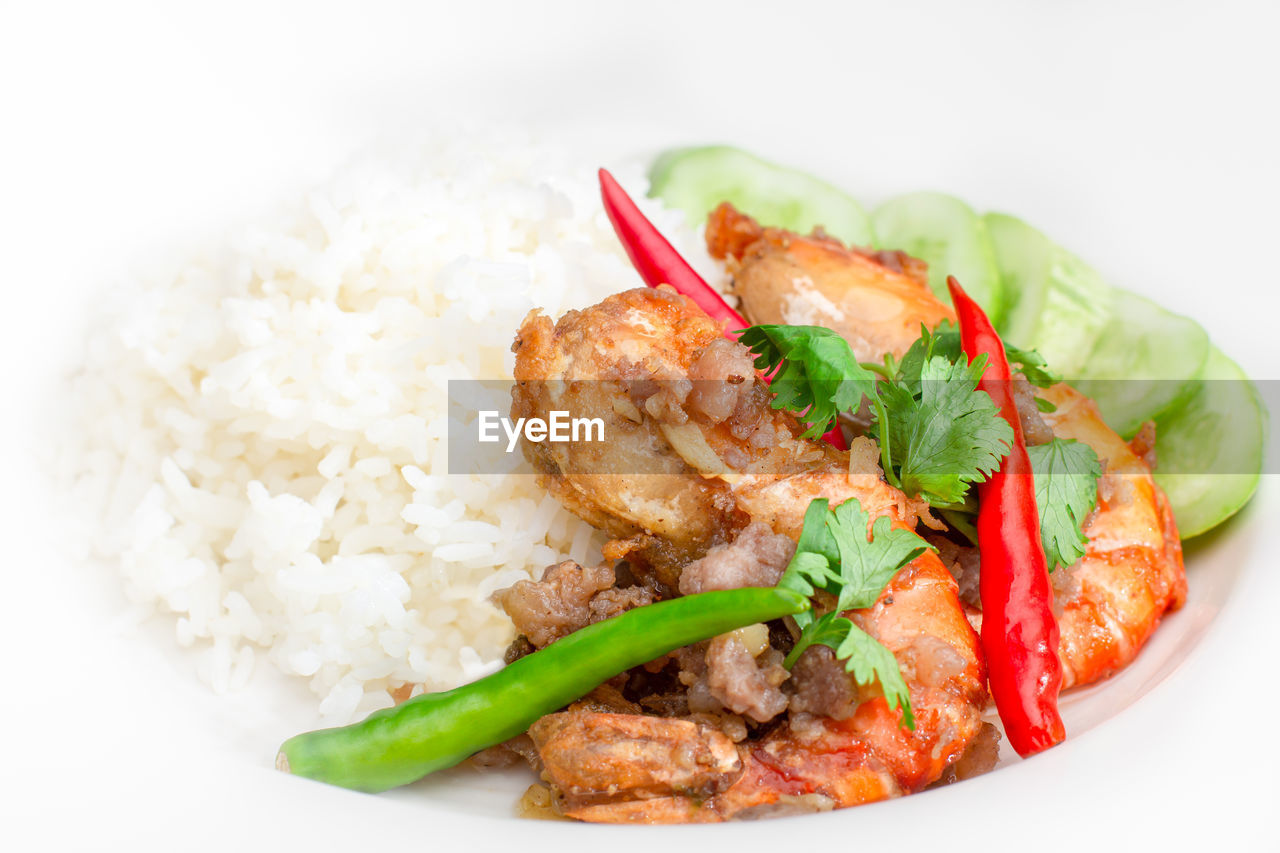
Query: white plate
x,y
1147,145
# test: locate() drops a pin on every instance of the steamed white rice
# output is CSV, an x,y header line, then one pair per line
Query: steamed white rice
x,y
261,435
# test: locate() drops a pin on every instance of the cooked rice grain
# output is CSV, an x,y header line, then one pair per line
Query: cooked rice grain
x,y
261,436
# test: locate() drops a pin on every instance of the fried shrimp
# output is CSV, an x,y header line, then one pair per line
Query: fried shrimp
x,y
619,768
1112,599
626,361
708,457
876,300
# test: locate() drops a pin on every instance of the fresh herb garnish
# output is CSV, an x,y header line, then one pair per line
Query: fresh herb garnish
x,y
1032,366
836,555
945,342
1066,475
819,377
938,433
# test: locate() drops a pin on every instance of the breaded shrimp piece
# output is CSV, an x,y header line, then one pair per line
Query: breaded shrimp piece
x,y
1131,572
875,300
693,449
694,404
618,768
1112,599
607,362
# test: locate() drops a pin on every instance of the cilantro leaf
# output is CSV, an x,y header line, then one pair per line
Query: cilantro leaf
x,y
937,432
818,375
811,568
945,342
940,433
866,566
869,660
1066,481
1032,365
816,537
864,656
829,629
837,555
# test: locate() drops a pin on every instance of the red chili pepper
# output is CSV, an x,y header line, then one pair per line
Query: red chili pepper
x,y
1019,631
658,262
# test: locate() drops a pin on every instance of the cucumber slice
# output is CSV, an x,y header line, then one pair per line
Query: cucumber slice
x,y
1023,257
946,234
1145,362
696,180
1058,304
1209,451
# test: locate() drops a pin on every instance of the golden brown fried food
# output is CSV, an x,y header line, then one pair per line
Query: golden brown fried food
x,y
1112,599
693,449
684,403
608,362
877,301
620,768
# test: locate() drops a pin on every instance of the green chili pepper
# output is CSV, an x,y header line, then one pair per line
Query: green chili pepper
x,y
396,746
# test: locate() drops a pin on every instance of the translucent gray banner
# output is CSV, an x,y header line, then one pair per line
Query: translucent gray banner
x,y
603,427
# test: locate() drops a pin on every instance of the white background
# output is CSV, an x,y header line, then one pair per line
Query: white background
x,y
1144,136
